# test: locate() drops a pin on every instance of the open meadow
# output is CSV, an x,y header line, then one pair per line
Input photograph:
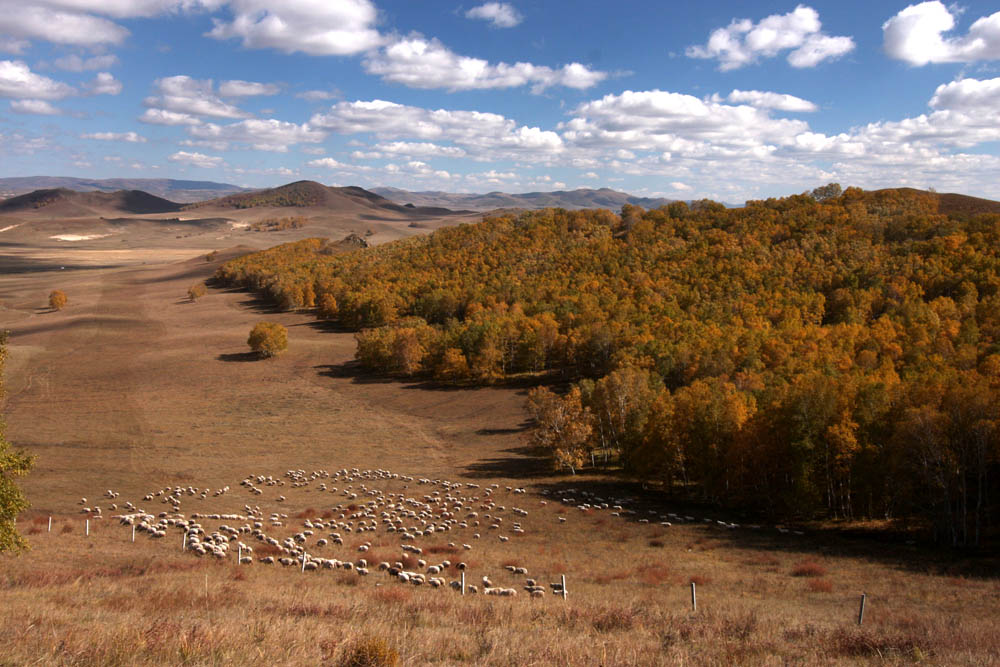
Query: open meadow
x,y
135,390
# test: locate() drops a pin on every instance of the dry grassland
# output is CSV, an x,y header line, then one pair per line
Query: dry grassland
x,y
133,388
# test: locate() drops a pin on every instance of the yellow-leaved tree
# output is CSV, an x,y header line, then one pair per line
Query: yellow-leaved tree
x,y
12,464
564,425
268,339
57,299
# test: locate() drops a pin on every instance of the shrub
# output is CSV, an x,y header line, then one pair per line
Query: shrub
x,y
268,339
196,291
862,642
820,586
371,652
57,299
615,619
808,568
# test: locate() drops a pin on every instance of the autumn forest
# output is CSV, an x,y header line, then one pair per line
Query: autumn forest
x,y
832,354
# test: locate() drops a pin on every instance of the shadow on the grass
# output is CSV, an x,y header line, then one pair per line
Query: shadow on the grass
x,y
754,532
358,374
239,356
523,463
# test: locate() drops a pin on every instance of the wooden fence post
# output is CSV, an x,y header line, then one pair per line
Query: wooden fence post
x,y
133,533
50,524
564,587
861,610
463,582
88,528
694,598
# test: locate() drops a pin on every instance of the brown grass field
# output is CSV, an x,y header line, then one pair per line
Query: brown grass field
x,y
133,388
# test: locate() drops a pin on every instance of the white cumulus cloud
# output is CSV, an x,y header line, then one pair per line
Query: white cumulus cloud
x,y
196,159
769,100
237,88
676,123
82,22
326,163
34,21
744,42
427,63
916,35
18,81
481,134
315,27
500,14
124,9
968,95
130,137
184,95
419,149
40,107
264,135
164,117
104,84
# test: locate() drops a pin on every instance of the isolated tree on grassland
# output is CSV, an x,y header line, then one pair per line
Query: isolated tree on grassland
x,y
196,291
57,299
12,464
268,339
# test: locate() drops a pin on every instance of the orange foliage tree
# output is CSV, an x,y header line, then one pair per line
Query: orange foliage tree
x,y
57,299
268,339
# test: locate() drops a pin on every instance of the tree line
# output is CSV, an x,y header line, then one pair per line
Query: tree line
x,y
827,354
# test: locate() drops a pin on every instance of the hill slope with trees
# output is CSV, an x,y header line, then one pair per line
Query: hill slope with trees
x,y
831,355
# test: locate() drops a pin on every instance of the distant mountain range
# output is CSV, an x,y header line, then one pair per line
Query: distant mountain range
x,y
309,198
167,188
568,199
305,197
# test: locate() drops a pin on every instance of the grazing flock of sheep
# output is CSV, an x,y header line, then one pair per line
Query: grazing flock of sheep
x,y
362,510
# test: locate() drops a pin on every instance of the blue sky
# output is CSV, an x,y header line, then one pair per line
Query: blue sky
x,y
726,100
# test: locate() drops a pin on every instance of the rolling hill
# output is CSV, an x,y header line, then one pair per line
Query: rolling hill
x,y
951,203
64,203
168,188
572,199
310,194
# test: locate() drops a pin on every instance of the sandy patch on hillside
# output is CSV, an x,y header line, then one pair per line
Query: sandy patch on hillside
x,y
78,237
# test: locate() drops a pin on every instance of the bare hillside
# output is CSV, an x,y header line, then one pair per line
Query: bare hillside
x,y
61,202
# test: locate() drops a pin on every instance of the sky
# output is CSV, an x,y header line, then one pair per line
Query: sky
x,y
722,100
